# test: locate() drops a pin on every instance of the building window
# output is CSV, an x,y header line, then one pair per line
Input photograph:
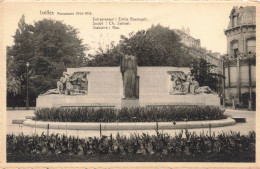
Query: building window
x,y
251,46
234,21
234,49
234,18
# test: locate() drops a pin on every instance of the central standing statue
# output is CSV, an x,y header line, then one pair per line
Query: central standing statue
x,y
128,67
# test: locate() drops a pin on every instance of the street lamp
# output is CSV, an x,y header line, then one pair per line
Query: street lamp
x,y
27,85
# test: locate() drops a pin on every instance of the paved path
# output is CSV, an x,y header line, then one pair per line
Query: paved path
x,y
243,128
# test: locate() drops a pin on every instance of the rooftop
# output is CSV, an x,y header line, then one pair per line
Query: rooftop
x,y
244,15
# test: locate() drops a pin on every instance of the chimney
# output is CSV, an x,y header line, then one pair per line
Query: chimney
x,y
188,31
183,29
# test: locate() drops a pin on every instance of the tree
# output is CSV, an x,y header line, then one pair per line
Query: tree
x,y
13,82
156,46
106,57
202,72
50,47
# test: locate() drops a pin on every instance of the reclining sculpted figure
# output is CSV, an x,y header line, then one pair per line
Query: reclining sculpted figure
x,y
202,89
186,84
71,85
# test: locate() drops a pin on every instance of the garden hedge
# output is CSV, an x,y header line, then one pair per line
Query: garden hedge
x,y
140,114
185,146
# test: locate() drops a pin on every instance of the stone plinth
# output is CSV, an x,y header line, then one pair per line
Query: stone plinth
x,y
118,102
167,100
129,125
78,101
130,103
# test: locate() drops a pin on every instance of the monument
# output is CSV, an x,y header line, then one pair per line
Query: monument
x,y
127,85
128,68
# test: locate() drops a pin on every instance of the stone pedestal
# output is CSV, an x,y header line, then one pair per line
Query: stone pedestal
x,y
249,104
78,101
168,100
130,103
192,89
116,101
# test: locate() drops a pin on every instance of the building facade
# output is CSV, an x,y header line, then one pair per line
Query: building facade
x,y
192,46
186,39
239,63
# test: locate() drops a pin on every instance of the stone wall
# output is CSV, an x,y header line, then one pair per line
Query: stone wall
x,y
244,73
231,91
105,89
78,101
156,80
102,80
155,84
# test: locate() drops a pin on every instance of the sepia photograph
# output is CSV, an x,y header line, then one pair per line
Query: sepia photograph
x,y
128,82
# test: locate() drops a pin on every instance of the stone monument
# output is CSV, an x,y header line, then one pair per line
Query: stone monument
x,y
127,85
128,68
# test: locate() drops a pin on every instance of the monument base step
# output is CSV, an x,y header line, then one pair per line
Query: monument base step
x,y
130,103
239,120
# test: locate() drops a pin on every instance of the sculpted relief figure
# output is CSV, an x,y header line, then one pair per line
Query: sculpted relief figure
x,y
202,89
186,84
177,78
79,82
60,86
71,85
128,67
66,83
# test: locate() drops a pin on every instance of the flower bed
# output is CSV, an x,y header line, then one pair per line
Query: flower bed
x,y
141,114
161,147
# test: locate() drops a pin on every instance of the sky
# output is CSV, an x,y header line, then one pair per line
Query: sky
x,y
206,22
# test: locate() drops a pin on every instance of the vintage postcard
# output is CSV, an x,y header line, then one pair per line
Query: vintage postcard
x,y
129,84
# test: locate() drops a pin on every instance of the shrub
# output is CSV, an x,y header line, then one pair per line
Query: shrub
x,y
140,114
228,103
245,97
223,147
